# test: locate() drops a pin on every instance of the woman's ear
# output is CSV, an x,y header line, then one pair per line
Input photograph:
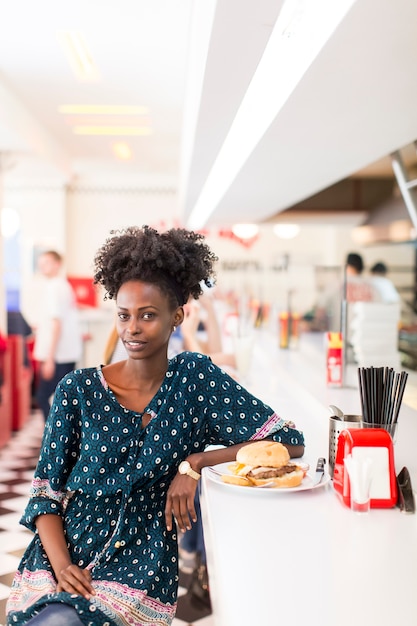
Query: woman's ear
x,y
179,316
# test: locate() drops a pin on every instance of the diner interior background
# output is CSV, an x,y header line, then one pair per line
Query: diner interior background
x,y
206,115
128,113
123,113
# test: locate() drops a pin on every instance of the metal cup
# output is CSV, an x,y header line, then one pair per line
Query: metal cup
x,y
335,428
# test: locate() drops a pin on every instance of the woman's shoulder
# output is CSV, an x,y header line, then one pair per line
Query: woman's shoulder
x,y
194,359
194,364
81,375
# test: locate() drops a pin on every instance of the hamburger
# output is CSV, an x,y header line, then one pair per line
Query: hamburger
x,y
264,462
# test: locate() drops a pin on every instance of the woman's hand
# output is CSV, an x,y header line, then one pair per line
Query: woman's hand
x,y
73,579
191,319
70,577
180,502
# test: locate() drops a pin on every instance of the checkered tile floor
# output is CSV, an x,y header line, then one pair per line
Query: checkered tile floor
x,y
17,463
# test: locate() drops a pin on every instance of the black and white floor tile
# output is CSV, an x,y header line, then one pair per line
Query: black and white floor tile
x,y
17,463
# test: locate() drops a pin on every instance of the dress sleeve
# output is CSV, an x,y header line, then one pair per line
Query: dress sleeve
x,y
235,415
58,454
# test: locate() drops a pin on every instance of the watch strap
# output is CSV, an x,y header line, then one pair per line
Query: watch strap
x,y
193,474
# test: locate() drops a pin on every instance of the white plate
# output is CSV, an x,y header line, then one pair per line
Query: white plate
x,y
307,484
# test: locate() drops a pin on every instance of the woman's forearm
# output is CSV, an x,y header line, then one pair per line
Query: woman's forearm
x,y
214,337
223,455
191,343
51,533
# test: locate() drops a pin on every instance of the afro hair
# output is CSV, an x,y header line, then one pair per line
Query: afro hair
x,y
177,261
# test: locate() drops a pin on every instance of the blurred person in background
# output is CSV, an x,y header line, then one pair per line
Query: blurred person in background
x,y
358,287
58,339
384,286
201,332
354,286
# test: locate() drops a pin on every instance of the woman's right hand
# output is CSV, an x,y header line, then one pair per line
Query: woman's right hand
x,y
73,579
70,577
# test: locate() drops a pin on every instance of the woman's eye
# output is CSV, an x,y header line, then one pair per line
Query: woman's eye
x,y
148,316
122,317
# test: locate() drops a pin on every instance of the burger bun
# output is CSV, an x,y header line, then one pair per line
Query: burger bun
x,y
232,479
263,453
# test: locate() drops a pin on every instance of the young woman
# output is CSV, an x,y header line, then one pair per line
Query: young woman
x,y
124,448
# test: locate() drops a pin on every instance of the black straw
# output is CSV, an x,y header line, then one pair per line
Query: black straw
x,y
381,392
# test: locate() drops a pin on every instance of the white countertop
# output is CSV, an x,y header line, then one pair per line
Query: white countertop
x,y
304,557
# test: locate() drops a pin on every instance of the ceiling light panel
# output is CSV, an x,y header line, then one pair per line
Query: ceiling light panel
x,y
122,151
102,109
78,55
143,131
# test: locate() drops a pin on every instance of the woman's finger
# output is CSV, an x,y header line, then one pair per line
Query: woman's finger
x,y
75,580
186,512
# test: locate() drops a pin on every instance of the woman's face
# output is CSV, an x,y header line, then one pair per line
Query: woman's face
x,y
145,320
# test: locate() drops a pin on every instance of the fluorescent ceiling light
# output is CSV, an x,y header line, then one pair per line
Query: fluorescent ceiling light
x,y
78,55
200,30
112,130
122,151
301,30
102,109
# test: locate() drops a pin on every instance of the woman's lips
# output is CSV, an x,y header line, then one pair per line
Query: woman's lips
x,y
134,345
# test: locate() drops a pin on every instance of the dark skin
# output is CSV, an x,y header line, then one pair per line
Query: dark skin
x,y
145,322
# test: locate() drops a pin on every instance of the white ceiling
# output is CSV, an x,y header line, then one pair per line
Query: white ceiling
x,y
190,63
140,49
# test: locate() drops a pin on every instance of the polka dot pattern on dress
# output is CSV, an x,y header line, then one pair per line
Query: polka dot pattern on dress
x,y
108,478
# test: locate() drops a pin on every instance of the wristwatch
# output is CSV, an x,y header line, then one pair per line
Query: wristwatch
x,y
185,468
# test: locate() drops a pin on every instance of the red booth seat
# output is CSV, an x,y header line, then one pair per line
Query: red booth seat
x,y
6,401
21,381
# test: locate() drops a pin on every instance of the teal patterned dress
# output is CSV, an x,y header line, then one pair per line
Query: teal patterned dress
x,y
108,478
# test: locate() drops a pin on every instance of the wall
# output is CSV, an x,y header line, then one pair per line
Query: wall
x,y
93,213
315,257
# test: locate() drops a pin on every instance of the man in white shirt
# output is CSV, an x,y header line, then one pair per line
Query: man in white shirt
x,y
58,342
385,288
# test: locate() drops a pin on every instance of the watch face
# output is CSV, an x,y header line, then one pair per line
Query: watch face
x,y
184,467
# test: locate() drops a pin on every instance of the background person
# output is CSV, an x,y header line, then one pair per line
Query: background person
x,y
124,446
58,339
351,287
201,332
384,286
359,288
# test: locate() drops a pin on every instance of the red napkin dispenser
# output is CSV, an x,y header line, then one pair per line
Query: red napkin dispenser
x,y
375,443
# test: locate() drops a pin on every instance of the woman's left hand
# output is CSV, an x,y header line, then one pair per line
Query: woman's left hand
x,y
180,502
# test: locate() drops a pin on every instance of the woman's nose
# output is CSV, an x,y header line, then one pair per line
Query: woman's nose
x,y
133,326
